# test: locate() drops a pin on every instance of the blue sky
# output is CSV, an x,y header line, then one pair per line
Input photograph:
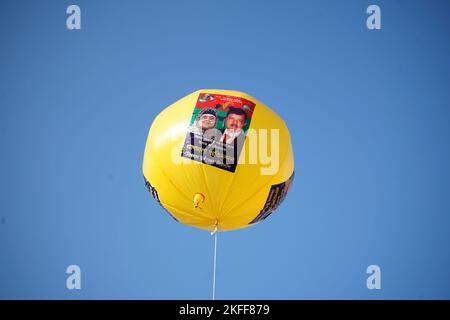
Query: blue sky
x,y
368,113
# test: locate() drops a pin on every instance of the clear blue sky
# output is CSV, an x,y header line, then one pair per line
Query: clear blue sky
x,y
368,113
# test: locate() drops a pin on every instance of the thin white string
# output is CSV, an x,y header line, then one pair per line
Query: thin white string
x,y
214,264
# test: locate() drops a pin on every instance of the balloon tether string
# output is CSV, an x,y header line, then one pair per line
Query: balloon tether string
x,y
214,263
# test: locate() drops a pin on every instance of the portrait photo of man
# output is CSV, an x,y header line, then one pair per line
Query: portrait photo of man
x,y
205,124
234,124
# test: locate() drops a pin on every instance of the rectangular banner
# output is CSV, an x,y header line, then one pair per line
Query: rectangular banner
x,y
217,130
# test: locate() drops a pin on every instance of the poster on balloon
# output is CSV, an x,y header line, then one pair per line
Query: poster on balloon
x,y
276,196
217,130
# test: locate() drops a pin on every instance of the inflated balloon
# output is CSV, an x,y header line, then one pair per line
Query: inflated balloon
x,y
218,160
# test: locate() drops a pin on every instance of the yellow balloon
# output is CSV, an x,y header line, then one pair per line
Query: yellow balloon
x,y
218,160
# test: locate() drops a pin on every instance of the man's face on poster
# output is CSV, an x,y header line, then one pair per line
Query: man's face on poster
x,y
235,122
207,121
